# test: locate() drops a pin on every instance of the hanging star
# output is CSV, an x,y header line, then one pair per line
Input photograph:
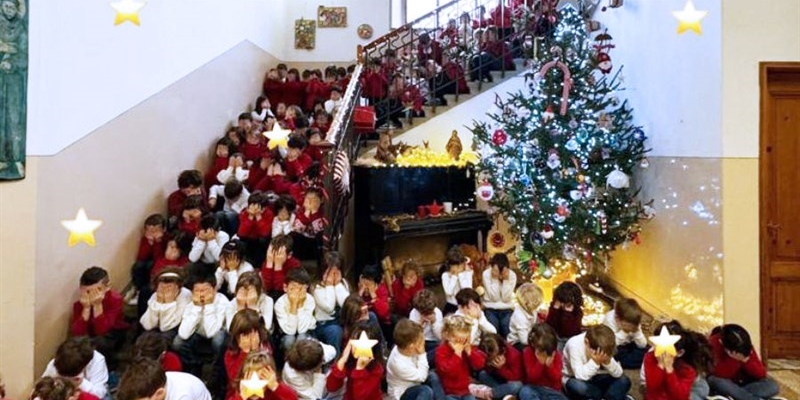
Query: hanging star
x,y
664,342
689,18
278,137
362,347
81,229
127,10
253,386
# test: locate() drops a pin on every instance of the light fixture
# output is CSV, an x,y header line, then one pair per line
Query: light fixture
x,y
81,229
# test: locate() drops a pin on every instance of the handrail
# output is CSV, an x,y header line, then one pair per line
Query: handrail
x,y
336,131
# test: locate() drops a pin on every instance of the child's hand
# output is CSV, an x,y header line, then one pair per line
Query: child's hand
x,y
85,298
212,202
666,362
280,258
252,300
499,361
197,299
345,356
738,356
97,296
568,307
556,305
268,374
599,357
270,258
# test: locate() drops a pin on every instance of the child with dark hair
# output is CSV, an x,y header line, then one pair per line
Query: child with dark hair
x,y
175,255
542,364
255,227
294,90
190,183
375,293
262,109
295,309
153,346
273,86
252,148
503,371
455,277
469,307
249,295
278,263
405,287
145,379
284,215
499,281
234,196
330,293
626,322
303,368
207,244
231,266
590,371
566,311
193,210
151,248
316,134
738,371
679,376
296,161
308,225
263,366
247,335
77,360
316,90
165,307
427,314
363,374
222,151
237,169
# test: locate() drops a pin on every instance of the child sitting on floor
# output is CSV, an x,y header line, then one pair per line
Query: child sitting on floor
x,y
153,345
77,360
503,371
529,298
499,282
247,336
303,368
738,371
457,276
230,267
566,311
429,316
626,322
249,295
542,364
457,359
166,306
405,287
590,371
295,309
469,306
362,373
407,368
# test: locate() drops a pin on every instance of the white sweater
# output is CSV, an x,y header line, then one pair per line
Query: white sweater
x,y
240,175
453,283
301,322
520,325
206,321
208,252
327,298
403,372
309,385
478,325
183,386
95,375
236,205
265,307
577,365
232,277
432,332
165,316
623,337
282,227
499,295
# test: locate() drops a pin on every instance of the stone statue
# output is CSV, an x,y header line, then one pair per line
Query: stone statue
x,y
13,87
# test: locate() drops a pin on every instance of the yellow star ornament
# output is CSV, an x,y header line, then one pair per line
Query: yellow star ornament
x,y
278,137
81,229
253,386
665,343
362,347
689,18
127,10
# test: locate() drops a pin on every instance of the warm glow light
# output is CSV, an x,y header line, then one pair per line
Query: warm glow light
x,y
689,18
127,10
665,342
362,347
253,386
278,137
421,157
708,313
81,229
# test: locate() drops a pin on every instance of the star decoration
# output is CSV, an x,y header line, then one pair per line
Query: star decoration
x,y
434,209
362,347
253,386
81,229
127,10
664,342
278,137
689,18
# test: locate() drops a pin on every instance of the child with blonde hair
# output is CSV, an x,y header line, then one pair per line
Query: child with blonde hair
x,y
529,298
262,366
456,359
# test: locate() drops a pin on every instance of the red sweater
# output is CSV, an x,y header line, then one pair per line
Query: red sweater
x,y
375,84
219,164
162,263
294,93
455,73
255,229
191,227
274,280
171,362
729,368
233,364
282,392
308,226
455,371
538,374
150,252
361,384
87,396
316,90
251,151
315,152
663,386
566,324
402,296
297,168
512,369
380,304
274,90
111,319
175,203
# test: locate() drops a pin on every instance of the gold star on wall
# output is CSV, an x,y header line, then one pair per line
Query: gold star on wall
x,y
689,18
81,229
127,10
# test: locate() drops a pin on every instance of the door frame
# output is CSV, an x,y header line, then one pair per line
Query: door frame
x,y
765,298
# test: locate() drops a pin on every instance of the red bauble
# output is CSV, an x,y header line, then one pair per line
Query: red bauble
x,y
497,239
499,137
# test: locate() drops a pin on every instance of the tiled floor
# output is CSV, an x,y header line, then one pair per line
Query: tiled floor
x,y
787,373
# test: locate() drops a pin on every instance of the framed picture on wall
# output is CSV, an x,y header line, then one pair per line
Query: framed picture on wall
x,y
305,34
13,88
332,17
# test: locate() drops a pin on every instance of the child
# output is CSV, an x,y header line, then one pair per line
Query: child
x,y
154,346
262,109
175,255
193,209
231,266
151,248
144,379
375,294
297,162
249,295
166,306
77,360
363,374
738,371
98,313
57,388
542,364
222,152
208,243
190,183
303,368
330,293
457,277
404,289
590,371
295,309
566,311
669,377
202,323
499,281
529,298
625,320
284,215
469,306
236,169
309,224
255,227
429,316
456,359
248,335
279,261
332,105
263,366
235,197
503,371
407,367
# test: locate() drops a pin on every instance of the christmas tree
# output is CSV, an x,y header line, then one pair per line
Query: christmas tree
x,y
557,158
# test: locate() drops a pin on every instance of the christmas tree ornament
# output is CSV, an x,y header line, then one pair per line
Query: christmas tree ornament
x,y
81,229
362,347
639,135
547,232
573,124
617,179
602,222
689,18
645,163
548,273
559,218
497,239
485,191
499,137
127,10
525,180
604,63
548,114
665,342
566,83
553,161
605,121
536,239
571,145
252,386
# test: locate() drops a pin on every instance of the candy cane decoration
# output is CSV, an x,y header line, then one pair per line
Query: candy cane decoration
x,y
567,81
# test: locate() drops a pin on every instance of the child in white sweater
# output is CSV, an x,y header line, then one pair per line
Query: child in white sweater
x,y
429,317
295,309
590,371
469,306
303,368
625,320
231,266
407,368
457,276
529,298
330,292
499,282
250,295
166,306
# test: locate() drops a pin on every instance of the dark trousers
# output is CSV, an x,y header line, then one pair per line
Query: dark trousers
x,y
630,356
601,386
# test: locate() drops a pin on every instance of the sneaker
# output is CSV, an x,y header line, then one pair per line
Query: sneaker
x,y
777,398
716,397
132,297
629,397
509,397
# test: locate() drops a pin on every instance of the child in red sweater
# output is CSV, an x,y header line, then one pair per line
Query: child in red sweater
x,y
151,248
738,372
262,367
248,336
405,288
174,255
566,311
669,377
193,210
153,345
297,161
503,371
375,294
279,261
456,359
255,227
363,374
190,183
309,223
221,154
542,364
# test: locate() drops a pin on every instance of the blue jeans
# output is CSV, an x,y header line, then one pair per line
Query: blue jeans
x,y
193,351
530,392
630,356
500,319
700,389
418,392
762,389
229,221
330,332
500,388
287,341
601,386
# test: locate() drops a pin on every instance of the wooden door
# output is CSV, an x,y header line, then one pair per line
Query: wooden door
x,y
779,166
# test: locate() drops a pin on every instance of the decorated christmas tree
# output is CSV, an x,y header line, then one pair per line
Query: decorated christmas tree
x,y
557,158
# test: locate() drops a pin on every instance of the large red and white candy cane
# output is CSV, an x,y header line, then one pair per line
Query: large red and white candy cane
x,y
567,81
